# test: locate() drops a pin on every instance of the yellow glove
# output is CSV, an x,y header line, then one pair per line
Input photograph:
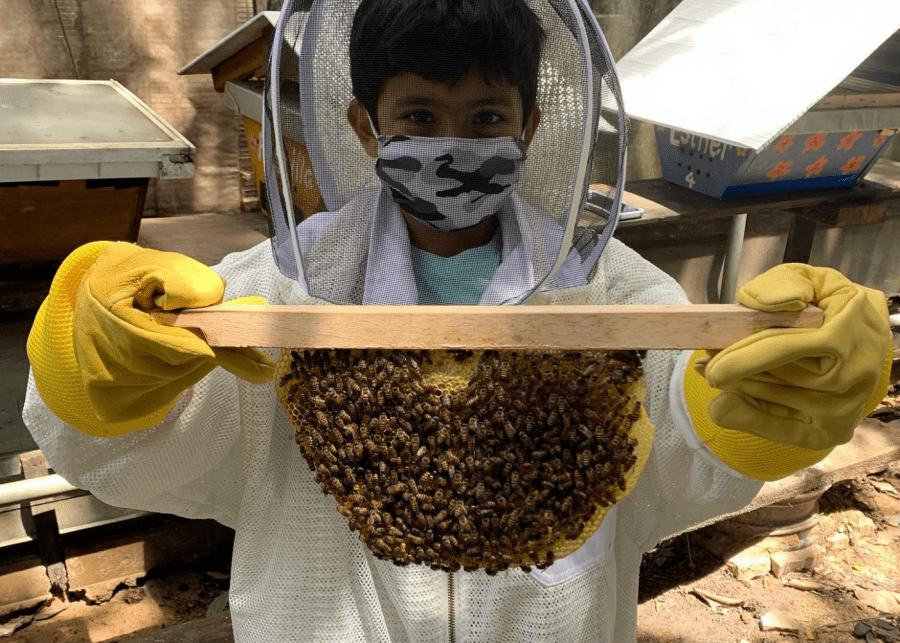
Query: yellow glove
x,y
805,387
101,363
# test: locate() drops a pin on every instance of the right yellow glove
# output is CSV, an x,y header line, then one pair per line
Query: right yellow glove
x,y
100,361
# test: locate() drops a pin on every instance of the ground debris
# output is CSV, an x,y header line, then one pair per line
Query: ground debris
x,y
780,621
806,585
871,629
882,601
716,600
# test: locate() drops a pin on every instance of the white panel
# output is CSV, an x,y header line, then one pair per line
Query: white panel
x,y
742,71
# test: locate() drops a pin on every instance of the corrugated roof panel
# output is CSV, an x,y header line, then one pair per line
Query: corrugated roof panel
x,y
742,71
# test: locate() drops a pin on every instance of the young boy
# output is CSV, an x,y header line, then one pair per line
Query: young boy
x,y
136,412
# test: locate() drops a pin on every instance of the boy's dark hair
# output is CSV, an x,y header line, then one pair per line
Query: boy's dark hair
x,y
442,40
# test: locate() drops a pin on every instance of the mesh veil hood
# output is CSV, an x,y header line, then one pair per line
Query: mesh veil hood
x,y
357,249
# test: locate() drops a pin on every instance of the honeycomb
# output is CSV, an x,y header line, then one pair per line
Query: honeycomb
x,y
469,460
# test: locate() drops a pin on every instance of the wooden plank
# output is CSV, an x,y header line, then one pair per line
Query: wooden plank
x,y
537,328
664,202
845,215
875,444
856,101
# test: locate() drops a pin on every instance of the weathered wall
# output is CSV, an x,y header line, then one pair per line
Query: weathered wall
x,y
141,44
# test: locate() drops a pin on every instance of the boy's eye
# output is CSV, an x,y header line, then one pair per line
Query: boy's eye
x,y
420,116
488,118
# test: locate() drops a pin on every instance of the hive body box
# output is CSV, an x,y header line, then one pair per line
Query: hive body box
x,y
758,96
237,64
801,161
75,161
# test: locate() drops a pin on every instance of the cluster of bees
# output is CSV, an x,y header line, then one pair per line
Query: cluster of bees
x,y
491,475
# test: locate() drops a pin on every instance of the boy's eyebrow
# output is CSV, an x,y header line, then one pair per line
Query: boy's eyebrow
x,y
499,99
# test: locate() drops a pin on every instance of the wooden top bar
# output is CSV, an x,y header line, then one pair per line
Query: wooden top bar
x,y
535,328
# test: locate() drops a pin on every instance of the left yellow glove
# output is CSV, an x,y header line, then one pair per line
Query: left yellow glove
x,y
101,362
805,387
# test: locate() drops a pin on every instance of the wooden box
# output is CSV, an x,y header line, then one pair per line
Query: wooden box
x,y
76,158
45,221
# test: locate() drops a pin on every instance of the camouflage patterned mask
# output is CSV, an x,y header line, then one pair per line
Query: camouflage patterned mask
x,y
450,183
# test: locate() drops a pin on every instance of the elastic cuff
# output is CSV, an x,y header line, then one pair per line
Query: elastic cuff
x,y
682,418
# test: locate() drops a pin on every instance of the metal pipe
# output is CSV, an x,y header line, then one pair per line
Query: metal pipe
x,y
732,263
33,489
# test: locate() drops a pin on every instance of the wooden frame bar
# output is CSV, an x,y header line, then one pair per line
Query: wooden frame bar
x,y
536,328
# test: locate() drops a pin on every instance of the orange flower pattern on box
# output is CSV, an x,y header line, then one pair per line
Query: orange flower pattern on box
x,y
784,143
779,170
816,168
741,151
849,141
815,142
853,164
879,140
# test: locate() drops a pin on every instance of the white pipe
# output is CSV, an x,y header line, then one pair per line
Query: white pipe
x,y
34,488
732,259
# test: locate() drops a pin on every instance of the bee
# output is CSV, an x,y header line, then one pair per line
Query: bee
x,y
366,395
426,479
566,506
578,478
338,487
504,369
316,438
322,419
458,509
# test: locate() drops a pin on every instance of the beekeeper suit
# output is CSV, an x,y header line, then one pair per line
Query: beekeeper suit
x,y
141,416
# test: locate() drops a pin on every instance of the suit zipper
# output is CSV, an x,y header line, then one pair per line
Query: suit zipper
x,y
451,609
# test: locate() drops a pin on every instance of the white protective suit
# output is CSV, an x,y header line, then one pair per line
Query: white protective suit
x,y
226,452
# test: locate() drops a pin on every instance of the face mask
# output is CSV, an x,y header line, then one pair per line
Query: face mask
x,y
450,183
